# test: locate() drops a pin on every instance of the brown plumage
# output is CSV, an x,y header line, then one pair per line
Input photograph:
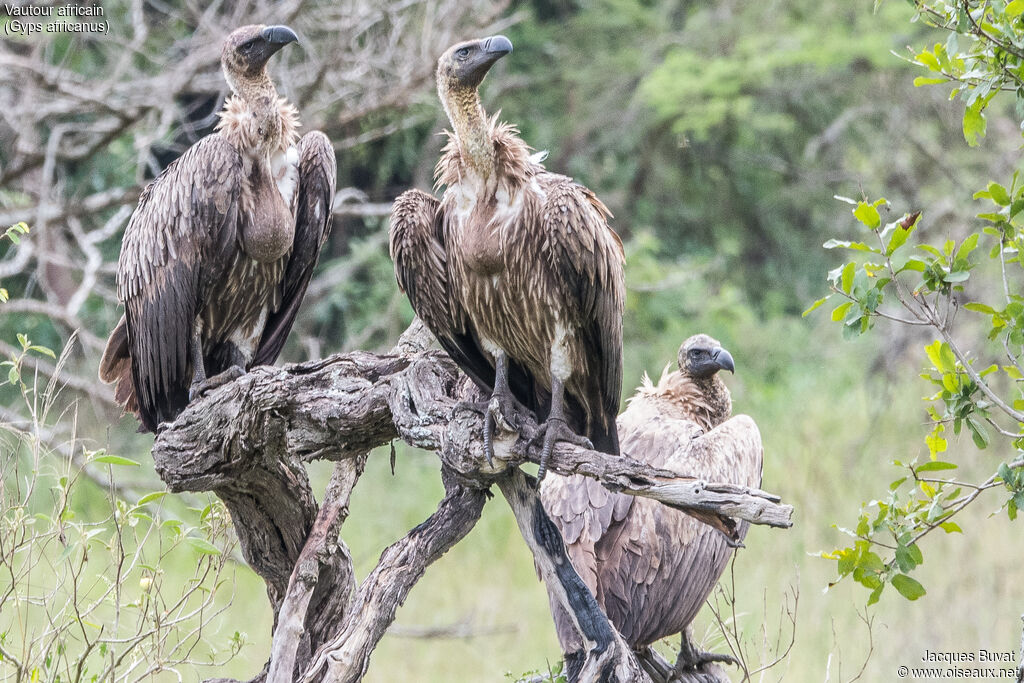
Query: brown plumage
x,y
217,256
652,567
516,270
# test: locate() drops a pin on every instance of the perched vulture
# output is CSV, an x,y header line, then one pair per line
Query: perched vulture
x,y
515,270
651,567
217,256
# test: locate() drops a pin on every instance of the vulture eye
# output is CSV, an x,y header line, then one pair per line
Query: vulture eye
x,y
247,45
462,52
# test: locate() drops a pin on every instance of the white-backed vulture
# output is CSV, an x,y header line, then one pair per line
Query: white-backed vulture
x,y
651,567
217,256
515,270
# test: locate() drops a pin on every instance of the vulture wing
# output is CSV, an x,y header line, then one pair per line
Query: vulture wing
x,y
586,513
586,255
421,265
659,565
317,176
178,243
651,567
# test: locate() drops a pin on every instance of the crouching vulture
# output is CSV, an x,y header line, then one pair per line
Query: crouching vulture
x,y
649,566
217,256
515,270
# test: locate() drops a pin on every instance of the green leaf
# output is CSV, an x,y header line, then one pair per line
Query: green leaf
x,y
980,308
936,444
928,59
909,588
875,594
974,123
846,244
899,238
815,305
999,194
868,215
978,433
934,352
114,460
66,553
925,80
202,546
935,466
908,557
1014,9
839,312
150,497
951,527
849,270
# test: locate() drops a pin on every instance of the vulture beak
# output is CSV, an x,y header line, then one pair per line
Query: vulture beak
x,y
481,60
497,45
723,360
272,39
279,35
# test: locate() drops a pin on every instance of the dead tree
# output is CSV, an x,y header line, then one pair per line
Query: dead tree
x,y
249,441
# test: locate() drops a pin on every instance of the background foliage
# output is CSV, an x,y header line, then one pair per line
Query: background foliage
x,y
718,137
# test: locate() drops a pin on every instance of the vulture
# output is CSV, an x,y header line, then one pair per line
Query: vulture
x,y
217,256
515,270
649,566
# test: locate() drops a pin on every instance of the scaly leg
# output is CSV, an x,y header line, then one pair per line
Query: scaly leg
x,y
201,384
198,364
502,406
691,658
556,428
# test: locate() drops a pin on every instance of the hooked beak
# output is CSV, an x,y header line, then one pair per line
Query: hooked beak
x,y
723,359
497,45
491,50
279,36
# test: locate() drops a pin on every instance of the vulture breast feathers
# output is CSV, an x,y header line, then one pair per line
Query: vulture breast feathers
x,y
652,567
514,262
218,254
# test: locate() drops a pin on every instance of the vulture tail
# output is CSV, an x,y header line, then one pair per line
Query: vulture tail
x,y
116,368
604,439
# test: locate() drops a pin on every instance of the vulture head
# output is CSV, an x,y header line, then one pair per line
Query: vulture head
x,y
701,356
247,50
464,65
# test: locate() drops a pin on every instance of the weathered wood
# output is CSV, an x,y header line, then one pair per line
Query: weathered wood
x,y
346,657
321,545
343,405
249,440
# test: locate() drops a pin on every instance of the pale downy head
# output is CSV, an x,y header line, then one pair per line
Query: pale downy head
x,y
465,64
247,50
702,356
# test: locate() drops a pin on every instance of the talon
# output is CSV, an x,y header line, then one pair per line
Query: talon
x,y
692,659
497,416
200,389
473,406
556,429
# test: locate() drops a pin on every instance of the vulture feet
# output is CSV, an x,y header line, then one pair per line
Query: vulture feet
x,y
202,388
556,429
500,413
692,659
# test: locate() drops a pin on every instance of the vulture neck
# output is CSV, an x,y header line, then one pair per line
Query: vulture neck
x,y
469,122
703,399
263,128
255,120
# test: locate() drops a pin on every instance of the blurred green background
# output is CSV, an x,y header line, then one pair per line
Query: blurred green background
x,y
718,135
